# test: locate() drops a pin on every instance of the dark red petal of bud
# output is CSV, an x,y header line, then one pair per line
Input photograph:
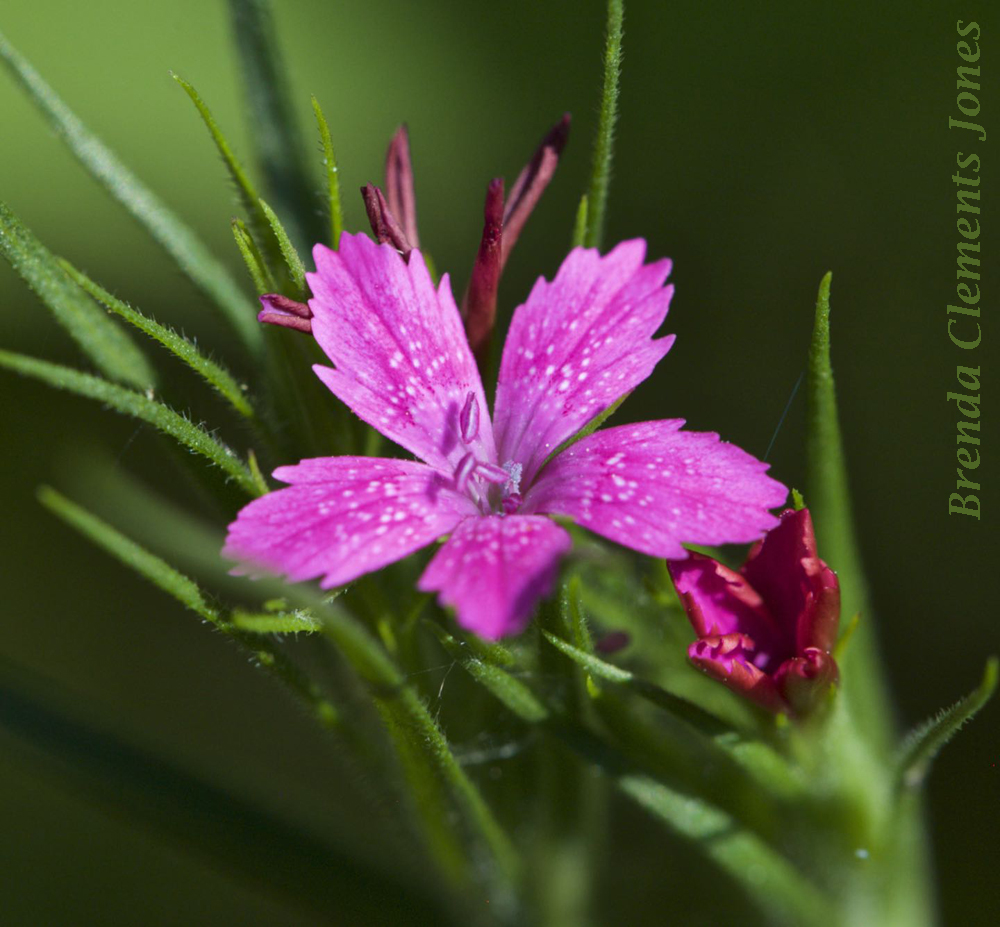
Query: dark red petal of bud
x,y
779,569
399,192
284,312
804,680
384,225
819,623
719,601
727,658
479,306
530,184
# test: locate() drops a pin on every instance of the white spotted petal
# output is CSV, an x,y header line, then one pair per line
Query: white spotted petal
x,y
342,517
402,362
576,346
494,569
652,486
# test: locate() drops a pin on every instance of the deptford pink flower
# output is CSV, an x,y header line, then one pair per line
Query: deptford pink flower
x,y
767,631
403,364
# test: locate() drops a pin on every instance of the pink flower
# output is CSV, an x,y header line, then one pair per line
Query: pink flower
x,y
403,364
767,631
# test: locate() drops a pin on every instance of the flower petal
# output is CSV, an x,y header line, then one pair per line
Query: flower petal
x,y
402,361
576,346
727,658
719,601
651,487
494,569
345,516
802,592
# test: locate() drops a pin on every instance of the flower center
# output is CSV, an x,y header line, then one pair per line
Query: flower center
x,y
496,490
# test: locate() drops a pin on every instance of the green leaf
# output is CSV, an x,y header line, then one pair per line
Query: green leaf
x,y
139,406
248,195
213,373
332,177
163,225
677,706
830,508
281,623
260,273
225,831
774,885
293,262
111,350
513,693
597,193
157,571
281,153
923,744
266,653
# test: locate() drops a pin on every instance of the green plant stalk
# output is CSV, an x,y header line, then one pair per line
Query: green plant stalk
x,y
571,808
600,179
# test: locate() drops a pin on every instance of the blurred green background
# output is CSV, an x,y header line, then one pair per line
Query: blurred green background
x,y
759,146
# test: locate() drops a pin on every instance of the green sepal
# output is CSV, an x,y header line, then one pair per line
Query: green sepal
x,y
138,405
923,744
101,340
176,238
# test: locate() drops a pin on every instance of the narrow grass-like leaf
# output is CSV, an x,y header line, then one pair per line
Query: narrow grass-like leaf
x,y
298,622
677,706
332,177
248,195
513,693
104,343
417,737
157,571
293,262
139,406
597,193
226,832
923,744
213,373
186,591
776,887
830,507
281,153
260,273
163,225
